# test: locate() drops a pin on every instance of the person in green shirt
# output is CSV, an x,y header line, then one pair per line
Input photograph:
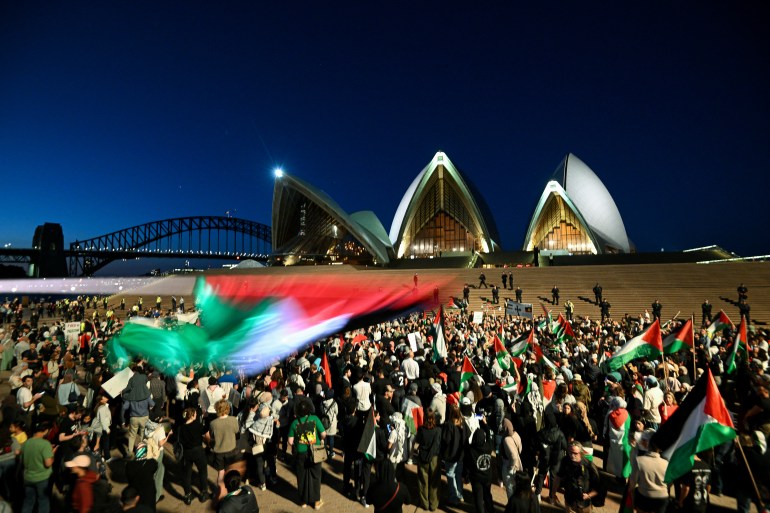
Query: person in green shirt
x,y
37,460
307,430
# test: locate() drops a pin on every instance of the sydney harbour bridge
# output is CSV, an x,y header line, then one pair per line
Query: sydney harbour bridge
x,y
200,237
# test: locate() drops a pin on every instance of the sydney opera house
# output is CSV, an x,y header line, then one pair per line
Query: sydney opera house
x,y
442,214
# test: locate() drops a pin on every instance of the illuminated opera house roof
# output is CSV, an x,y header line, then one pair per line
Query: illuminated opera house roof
x,y
576,214
440,214
308,224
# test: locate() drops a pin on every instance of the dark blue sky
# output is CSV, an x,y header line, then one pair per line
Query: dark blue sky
x,y
117,113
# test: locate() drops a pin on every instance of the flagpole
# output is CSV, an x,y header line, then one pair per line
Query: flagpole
x,y
694,355
751,475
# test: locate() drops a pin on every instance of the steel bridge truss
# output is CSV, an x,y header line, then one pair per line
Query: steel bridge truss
x,y
200,237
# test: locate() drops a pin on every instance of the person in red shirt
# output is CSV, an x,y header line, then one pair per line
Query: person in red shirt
x,y
667,407
83,493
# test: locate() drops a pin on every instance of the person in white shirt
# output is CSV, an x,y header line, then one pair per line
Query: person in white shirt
x,y
653,397
213,393
410,367
21,346
363,391
25,399
181,384
100,426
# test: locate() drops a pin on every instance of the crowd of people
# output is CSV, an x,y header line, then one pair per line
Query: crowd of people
x,y
385,401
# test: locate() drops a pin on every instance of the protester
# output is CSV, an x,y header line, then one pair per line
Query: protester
x,y
223,434
305,431
140,474
240,498
527,415
647,480
427,445
37,458
580,479
83,494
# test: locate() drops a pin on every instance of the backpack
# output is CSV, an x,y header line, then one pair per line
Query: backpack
x,y
53,433
325,420
451,442
98,462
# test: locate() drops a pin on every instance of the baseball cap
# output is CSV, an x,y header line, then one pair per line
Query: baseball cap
x,y
79,461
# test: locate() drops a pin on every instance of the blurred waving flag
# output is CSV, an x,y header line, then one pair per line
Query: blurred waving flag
x,y
251,321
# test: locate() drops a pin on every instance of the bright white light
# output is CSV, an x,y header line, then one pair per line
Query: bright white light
x,y
278,172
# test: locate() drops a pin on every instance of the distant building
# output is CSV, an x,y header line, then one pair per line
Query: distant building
x,y
577,215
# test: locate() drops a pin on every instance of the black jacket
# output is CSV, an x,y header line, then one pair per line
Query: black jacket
x,y
478,456
244,501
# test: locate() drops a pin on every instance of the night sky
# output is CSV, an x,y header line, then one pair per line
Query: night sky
x,y
115,113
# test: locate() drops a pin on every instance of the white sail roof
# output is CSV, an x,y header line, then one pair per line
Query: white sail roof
x,y
593,200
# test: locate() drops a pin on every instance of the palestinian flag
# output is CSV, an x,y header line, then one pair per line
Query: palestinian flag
x,y
701,422
510,388
741,344
413,415
547,389
523,344
721,322
368,444
524,386
503,358
649,343
327,370
680,339
541,358
467,372
627,502
564,332
588,452
452,303
619,424
439,342
547,323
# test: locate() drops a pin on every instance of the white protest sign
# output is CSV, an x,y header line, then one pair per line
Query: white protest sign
x,y
412,341
116,384
71,331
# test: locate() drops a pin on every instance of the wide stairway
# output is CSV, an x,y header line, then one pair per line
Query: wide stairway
x,y
630,289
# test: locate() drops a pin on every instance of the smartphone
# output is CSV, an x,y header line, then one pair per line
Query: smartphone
x,y
479,416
